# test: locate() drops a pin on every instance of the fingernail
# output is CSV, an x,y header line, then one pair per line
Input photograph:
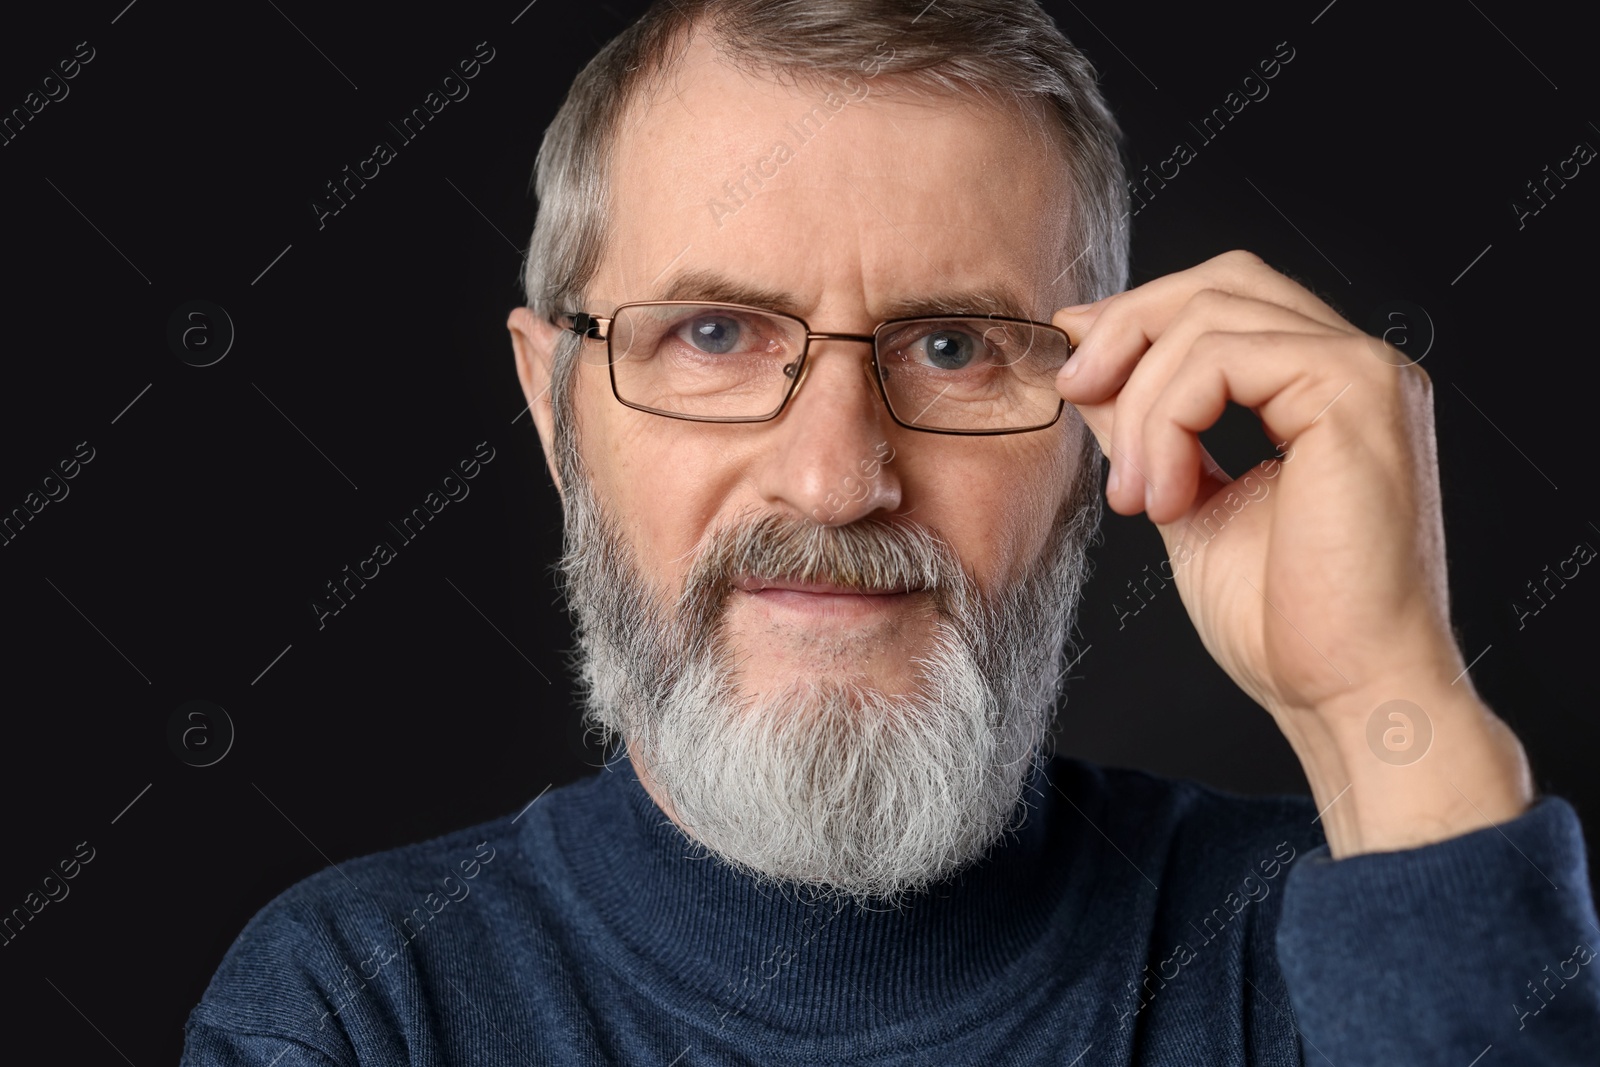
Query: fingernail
x,y
1149,496
1111,481
1070,367
1078,309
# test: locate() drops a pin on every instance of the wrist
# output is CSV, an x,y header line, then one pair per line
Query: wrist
x,y
1409,762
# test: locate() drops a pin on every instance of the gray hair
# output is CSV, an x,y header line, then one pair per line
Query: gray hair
x,y
1002,50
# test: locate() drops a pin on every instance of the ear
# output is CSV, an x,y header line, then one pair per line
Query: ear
x,y
534,341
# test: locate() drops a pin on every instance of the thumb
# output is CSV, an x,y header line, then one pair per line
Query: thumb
x,y
1078,318
1077,321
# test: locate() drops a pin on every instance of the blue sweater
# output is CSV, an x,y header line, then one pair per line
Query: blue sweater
x,y
1131,920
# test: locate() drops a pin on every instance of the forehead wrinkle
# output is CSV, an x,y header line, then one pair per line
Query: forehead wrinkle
x,y
704,284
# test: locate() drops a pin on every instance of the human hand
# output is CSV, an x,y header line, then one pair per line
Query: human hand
x,y
1317,580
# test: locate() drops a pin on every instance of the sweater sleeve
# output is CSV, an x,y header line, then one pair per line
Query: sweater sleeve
x,y
1475,950
280,996
210,1046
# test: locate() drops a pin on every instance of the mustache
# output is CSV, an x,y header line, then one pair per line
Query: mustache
x,y
869,555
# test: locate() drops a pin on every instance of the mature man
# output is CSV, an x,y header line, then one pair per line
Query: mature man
x,y
802,295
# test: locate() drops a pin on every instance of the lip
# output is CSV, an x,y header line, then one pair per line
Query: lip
x,y
750,584
820,601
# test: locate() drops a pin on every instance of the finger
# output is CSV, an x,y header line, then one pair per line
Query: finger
x,y
1079,319
1125,479
1098,418
1188,473
1284,377
1210,311
1121,327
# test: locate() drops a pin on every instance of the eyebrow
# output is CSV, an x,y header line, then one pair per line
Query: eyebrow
x,y
709,285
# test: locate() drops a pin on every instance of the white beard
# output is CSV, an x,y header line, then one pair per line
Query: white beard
x,y
836,786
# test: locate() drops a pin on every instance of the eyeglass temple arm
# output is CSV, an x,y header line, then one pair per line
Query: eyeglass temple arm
x,y
584,324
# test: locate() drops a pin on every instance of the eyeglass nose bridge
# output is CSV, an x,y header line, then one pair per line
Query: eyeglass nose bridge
x,y
869,366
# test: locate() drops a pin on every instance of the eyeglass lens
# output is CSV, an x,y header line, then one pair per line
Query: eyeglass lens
x,y
953,373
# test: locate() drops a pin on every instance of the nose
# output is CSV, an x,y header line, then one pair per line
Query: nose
x,y
829,456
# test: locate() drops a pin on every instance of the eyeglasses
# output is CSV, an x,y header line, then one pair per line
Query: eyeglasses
x,y
715,362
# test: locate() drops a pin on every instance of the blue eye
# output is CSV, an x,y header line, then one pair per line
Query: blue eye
x,y
949,349
716,335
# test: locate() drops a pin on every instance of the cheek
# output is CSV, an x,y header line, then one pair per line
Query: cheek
x,y
996,500
657,479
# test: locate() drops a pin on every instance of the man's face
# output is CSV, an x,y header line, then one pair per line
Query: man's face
x,y
852,736
893,201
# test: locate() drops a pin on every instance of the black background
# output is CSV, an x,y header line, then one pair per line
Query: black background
x,y
370,357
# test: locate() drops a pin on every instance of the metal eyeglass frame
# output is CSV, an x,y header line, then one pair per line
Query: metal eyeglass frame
x,y
598,328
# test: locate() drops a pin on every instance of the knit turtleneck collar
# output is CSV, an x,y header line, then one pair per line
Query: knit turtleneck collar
x,y
756,953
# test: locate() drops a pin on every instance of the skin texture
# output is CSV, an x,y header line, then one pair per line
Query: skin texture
x,y
896,199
